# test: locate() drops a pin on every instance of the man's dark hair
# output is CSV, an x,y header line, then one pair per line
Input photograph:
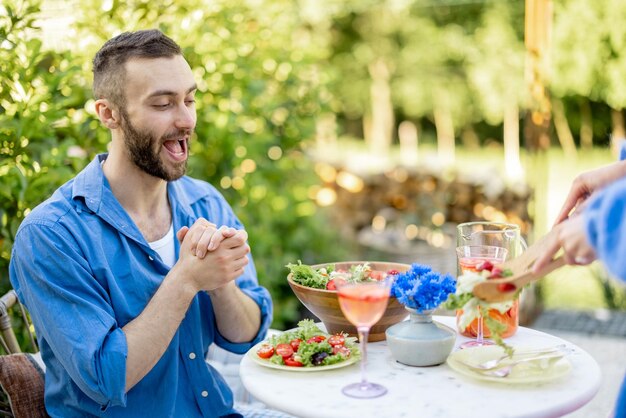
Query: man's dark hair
x,y
108,64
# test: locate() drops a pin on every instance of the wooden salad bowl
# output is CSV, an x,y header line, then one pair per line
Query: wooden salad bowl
x,y
325,305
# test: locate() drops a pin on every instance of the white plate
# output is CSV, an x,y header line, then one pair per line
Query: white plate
x,y
522,373
266,363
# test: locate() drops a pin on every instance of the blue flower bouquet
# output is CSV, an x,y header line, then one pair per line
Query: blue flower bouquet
x,y
421,288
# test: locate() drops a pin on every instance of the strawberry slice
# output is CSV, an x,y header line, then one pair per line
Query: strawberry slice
x,y
496,273
506,287
485,265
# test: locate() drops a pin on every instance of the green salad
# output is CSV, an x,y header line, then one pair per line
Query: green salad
x,y
308,346
326,277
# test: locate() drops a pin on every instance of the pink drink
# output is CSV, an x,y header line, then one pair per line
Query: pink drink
x,y
471,263
362,304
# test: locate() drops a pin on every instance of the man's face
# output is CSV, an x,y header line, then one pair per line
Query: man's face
x,y
159,116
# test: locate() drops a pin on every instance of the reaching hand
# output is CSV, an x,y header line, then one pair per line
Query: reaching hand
x,y
204,236
572,237
587,183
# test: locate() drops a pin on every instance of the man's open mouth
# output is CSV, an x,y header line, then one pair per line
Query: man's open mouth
x,y
177,148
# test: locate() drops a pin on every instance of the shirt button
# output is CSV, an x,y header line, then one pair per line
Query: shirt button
x,y
150,258
204,394
192,355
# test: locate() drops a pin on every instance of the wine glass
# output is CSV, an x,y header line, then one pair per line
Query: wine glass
x,y
363,304
470,258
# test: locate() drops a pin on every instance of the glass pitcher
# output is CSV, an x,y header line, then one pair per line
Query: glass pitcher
x,y
496,234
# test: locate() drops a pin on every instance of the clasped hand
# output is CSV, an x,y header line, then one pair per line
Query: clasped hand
x,y
211,257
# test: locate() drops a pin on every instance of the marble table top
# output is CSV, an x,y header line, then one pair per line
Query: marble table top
x,y
436,391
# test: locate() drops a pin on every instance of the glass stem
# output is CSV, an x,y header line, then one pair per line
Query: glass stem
x,y
479,331
363,335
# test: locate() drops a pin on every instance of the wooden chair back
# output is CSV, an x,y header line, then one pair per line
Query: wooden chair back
x,y
8,340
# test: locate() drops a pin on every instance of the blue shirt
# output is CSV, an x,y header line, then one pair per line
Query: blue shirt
x,y
606,226
84,270
605,219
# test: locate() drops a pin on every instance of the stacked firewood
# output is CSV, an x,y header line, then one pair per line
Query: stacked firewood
x,y
427,200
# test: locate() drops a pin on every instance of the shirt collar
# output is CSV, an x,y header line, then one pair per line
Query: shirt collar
x,y
89,183
92,188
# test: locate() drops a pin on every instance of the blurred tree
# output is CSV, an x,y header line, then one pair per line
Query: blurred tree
x,y
44,130
589,61
456,66
496,76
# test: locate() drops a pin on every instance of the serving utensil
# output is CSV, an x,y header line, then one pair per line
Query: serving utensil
x,y
525,260
506,288
500,290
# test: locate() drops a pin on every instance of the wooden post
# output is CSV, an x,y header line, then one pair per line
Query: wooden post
x,y
538,25
538,22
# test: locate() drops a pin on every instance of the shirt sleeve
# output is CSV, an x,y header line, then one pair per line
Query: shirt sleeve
x,y
606,227
70,310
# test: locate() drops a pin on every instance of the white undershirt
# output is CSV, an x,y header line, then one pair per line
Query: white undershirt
x,y
165,247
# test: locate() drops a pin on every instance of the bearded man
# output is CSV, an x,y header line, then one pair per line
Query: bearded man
x,y
124,308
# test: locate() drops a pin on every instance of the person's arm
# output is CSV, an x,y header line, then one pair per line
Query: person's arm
x,y
600,231
605,220
587,183
571,236
241,311
238,316
149,335
70,309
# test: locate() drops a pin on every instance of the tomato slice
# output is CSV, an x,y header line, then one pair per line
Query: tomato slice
x,y
290,361
342,350
295,343
336,340
377,275
331,285
316,339
265,351
284,350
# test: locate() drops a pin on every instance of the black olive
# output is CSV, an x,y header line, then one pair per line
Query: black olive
x,y
318,358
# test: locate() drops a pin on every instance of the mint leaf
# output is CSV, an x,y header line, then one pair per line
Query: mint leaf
x,y
455,301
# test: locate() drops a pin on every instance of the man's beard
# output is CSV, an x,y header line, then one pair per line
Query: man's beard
x,y
140,145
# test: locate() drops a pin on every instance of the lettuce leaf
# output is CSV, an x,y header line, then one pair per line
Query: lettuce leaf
x,y
305,275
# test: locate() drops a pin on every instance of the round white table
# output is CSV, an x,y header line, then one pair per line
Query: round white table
x,y
436,391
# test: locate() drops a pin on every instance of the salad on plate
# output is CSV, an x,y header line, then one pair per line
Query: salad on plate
x,y
308,346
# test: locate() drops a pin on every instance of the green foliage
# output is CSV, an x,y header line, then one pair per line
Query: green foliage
x,y
42,121
259,91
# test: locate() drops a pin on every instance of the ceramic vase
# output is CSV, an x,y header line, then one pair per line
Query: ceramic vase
x,y
420,341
